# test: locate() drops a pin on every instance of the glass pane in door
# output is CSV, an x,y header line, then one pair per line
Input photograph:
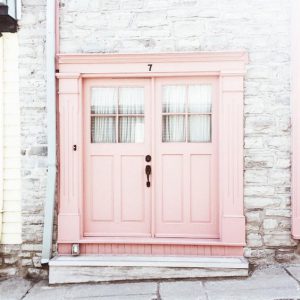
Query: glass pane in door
x,y
173,128
173,99
103,109
131,129
199,99
103,129
131,100
199,128
131,115
104,100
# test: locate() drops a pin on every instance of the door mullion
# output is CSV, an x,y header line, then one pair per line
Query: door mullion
x,y
117,116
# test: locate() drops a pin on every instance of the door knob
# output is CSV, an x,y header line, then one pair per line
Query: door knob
x,y
148,158
148,172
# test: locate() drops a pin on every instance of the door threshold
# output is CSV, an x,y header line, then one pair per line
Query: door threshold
x,y
99,268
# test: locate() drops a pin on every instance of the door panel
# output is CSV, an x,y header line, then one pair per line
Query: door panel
x,y
186,155
102,171
172,188
117,118
133,188
200,193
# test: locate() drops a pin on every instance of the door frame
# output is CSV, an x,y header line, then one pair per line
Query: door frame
x,y
229,67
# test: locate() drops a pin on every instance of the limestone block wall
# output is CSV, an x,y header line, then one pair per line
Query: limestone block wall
x,y
130,26
260,27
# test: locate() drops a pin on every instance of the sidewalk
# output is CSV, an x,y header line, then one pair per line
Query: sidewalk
x,y
272,283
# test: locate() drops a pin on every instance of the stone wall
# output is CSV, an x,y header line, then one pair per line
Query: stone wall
x,y
260,27
32,68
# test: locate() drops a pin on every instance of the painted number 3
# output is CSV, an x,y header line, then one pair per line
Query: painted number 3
x,y
150,67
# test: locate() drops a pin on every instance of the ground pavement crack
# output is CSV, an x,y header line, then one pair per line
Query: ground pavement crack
x,y
292,276
158,297
28,291
205,291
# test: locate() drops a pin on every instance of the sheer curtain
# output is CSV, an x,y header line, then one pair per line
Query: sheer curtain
x,y
199,99
131,102
104,101
173,102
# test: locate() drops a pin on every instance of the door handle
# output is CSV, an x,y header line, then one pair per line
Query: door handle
x,y
148,172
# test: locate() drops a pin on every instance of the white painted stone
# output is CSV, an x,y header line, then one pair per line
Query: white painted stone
x,y
270,224
254,240
256,176
259,190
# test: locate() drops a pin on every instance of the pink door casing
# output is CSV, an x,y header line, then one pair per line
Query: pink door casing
x,y
182,200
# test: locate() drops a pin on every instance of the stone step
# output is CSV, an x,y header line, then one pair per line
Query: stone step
x,y
78,269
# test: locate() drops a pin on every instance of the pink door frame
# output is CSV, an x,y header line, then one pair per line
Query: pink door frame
x,y
229,67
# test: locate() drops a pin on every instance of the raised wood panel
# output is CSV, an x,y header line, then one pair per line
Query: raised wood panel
x,y
102,188
231,161
68,113
69,160
172,188
132,188
200,187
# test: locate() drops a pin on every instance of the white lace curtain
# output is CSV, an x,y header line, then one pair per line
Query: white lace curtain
x,y
104,102
193,102
174,102
127,104
199,99
131,102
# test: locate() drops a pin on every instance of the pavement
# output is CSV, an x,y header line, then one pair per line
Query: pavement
x,y
271,283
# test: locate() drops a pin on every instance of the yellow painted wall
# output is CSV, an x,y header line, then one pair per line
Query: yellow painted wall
x,y
11,177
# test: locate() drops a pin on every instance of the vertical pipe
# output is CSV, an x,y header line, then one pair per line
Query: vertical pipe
x,y
295,111
51,132
1,130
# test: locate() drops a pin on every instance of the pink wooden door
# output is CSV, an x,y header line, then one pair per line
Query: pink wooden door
x,y
186,178
182,140
117,140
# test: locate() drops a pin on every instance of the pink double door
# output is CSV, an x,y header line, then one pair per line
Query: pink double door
x,y
150,158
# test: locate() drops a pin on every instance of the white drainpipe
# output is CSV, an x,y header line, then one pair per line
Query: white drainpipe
x,y
1,131
51,132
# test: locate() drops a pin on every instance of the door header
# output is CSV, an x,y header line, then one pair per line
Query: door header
x,y
152,65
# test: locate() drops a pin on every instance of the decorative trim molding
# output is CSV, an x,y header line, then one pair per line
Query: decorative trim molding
x,y
229,63
157,57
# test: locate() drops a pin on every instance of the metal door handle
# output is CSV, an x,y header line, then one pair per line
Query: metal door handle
x,y
148,172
